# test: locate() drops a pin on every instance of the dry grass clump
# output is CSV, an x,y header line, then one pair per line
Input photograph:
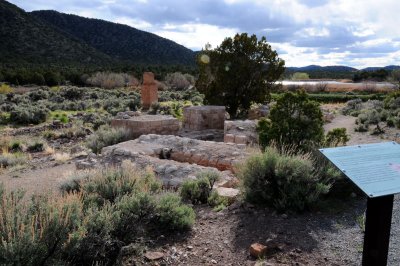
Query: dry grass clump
x,y
61,157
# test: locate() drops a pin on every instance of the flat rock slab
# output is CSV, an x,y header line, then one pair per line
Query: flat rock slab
x,y
222,156
175,159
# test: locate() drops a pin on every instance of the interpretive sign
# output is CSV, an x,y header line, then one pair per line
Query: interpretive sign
x,y
374,168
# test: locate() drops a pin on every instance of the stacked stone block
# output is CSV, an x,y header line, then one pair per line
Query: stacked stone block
x,y
149,91
148,124
204,117
240,132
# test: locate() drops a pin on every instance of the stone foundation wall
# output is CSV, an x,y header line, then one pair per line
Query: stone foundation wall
x,y
241,132
204,117
148,124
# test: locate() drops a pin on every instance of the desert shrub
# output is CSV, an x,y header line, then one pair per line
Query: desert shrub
x,y
390,121
154,108
76,228
336,137
4,118
37,95
293,120
392,101
36,233
72,183
361,128
178,81
352,105
283,181
377,130
15,146
110,80
106,136
173,214
198,190
384,114
110,184
134,212
4,89
25,115
96,119
36,146
93,243
369,116
218,202
49,134
12,159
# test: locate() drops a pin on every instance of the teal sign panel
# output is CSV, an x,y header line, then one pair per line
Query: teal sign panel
x,y
374,168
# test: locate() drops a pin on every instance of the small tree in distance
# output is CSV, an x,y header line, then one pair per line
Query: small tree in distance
x,y
240,71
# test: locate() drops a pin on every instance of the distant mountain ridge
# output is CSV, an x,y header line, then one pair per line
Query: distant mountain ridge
x,y
50,38
119,41
26,40
339,68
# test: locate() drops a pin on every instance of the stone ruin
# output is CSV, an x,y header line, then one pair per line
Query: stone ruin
x,y
177,152
175,159
138,124
241,132
149,91
204,117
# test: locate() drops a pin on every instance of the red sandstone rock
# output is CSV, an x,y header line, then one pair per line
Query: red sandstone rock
x,y
257,250
149,91
229,138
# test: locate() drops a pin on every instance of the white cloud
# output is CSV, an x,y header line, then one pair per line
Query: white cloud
x,y
136,23
325,32
195,36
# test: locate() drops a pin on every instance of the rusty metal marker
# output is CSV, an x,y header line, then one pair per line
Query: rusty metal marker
x,y
375,169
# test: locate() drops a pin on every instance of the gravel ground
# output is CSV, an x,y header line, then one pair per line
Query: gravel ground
x,y
394,246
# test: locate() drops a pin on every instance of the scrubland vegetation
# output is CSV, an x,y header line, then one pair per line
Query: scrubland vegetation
x,y
98,213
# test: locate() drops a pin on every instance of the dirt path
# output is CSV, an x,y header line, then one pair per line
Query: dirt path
x,y
38,181
348,122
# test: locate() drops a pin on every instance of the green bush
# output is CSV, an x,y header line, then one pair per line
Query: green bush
x,y
15,146
134,213
72,184
216,201
173,213
106,136
36,146
361,128
352,106
369,116
24,115
293,120
392,101
336,137
283,181
198,190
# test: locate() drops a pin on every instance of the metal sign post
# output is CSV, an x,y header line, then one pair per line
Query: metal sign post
x,y
378,220
375,169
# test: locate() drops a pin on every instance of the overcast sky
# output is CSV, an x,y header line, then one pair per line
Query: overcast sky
x,y
356,33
